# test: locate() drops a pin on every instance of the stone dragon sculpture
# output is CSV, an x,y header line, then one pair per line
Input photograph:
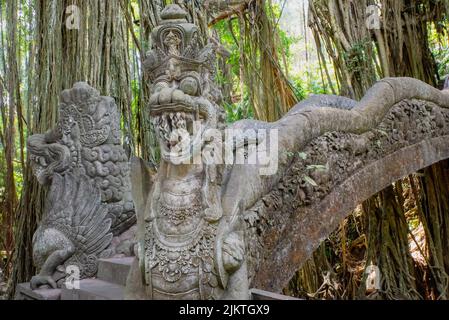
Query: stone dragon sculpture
x,y
208,230
89,200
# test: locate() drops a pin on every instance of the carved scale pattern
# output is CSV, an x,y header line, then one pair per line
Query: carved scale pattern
x,y
338,155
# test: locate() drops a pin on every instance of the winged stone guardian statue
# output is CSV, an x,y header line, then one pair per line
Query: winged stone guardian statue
x,y
89,199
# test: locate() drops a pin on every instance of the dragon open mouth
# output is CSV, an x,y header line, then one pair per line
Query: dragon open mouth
x,y
179,129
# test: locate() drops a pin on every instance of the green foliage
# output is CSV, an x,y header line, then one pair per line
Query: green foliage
x,y
441,55
440,47
230,37
357,58
317,167
309,83
302,155
310,181
238,111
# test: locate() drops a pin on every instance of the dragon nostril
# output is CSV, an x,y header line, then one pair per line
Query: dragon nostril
x,y
154,99
189,86
159,86
165,95
178,96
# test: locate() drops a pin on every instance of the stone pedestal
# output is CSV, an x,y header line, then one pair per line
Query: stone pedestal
x,y
114,270
109,285
94,289
24,292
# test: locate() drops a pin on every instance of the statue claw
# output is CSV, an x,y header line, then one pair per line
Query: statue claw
x,y
233,252
39,281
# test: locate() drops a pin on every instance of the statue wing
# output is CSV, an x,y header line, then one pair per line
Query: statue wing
x,y
74,207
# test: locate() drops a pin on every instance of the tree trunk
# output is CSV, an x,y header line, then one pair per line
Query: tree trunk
x,y
95,51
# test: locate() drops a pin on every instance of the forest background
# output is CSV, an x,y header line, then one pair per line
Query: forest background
x,y
271,54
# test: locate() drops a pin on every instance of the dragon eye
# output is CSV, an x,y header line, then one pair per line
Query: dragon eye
x,y
189,85
159,86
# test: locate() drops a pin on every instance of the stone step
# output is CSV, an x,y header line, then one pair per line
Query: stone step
x,y
114,270
257,294
94,289
24,292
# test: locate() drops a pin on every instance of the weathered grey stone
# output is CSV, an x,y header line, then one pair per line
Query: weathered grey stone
x,y
24,292
289,241
207,231
123,244
94,289
109,285
114,270
89,200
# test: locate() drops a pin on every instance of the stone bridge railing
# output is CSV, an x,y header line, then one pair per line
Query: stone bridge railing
x,y
337,171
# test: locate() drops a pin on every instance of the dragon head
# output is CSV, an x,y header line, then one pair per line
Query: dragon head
x,y
86,119
184,100
47,157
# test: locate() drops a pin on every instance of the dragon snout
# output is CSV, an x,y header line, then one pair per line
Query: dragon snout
x,y
169,96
